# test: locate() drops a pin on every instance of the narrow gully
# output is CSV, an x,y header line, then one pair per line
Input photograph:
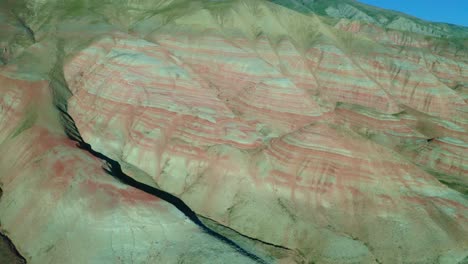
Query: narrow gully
x,y
114,169
8,251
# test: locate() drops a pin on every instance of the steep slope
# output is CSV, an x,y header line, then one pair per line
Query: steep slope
x,y
354,10
303,139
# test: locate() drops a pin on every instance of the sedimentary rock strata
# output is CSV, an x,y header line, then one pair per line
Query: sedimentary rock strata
x,y
295,138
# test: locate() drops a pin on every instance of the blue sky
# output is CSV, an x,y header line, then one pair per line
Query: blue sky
x,y
448,11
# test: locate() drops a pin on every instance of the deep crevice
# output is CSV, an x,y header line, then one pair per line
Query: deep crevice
x,y
246,236
7,245
114,169
8,251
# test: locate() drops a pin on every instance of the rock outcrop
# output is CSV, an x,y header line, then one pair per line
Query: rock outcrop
x,y
303,139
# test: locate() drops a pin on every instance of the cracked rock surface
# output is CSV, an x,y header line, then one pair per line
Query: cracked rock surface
x,y
244,131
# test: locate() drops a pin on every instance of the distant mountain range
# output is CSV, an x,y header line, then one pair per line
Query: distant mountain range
x,y
354,10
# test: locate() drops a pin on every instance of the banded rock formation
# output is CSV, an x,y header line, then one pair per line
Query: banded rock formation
x,y
299,137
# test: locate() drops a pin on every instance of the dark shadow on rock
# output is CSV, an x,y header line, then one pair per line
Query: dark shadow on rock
x,y
8,252
114,169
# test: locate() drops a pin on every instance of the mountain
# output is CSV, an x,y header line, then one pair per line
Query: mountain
x,y
388,19
234,131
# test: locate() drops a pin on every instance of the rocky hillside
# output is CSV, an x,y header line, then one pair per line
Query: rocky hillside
x,y
354,10
235,131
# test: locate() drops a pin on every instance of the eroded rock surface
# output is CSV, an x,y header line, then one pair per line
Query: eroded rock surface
x,y
302,139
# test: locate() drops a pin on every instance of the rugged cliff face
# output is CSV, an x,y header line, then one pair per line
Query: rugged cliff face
x,y
236,131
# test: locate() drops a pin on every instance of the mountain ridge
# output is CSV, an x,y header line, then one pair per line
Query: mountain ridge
x,y
379,16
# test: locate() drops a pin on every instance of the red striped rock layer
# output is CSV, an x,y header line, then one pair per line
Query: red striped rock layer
x,y
445,157
59,206
250,86
389,130
319,180
414,86
378,81
141,110
314,178
316,74
244,133
90,212
444,59
386,36
381,83
439,152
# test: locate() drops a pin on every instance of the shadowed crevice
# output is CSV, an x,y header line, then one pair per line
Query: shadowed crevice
x,y
8,252
114,169
204,218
